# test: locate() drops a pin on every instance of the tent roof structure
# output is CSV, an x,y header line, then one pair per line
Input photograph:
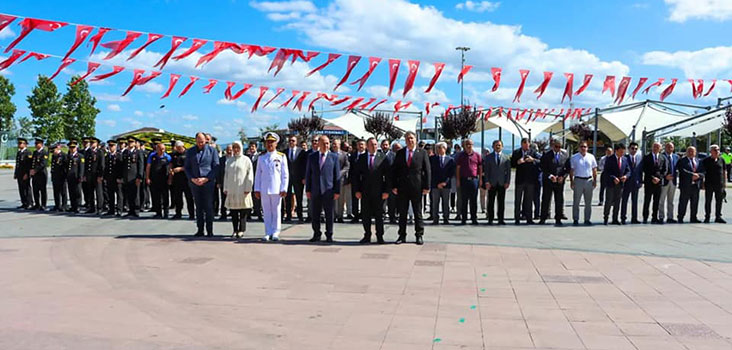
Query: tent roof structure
x,y
520,128
353,123
701,124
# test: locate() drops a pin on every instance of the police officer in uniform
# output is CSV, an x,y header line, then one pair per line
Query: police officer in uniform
x,y
74,174
121,147
39,175
144,197
23,163
133,165
270,185
112,179
93,173
157,173
179,185
85,146
59,168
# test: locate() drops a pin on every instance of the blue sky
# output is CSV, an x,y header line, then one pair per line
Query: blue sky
x,y
652,38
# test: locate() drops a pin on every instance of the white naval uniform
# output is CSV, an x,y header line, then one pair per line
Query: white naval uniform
x,y
269,181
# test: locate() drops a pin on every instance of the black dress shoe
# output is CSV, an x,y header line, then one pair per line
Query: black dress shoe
x,y
542,222
706,220
365,240
501,223
530,222
616,222
635,222
329,239
695,221
558,224
176,217
462,222
380,240
354,221
474,222
109,213
588,223
435,222
720,221
671,221
157,216
198,234
401,240
419,240
604,222
314,239
210,234
680,221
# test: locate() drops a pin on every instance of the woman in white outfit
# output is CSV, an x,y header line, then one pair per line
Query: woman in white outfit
x,y
238,183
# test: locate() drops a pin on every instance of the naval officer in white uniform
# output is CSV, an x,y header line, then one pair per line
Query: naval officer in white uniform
x,y
270,185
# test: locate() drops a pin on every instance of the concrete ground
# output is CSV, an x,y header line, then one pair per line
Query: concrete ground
x,y
90,283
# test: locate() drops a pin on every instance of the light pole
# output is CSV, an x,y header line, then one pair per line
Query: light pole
x,y
462,50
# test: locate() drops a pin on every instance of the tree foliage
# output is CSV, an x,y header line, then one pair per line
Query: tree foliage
x,y
7,107
728,121
46,107
541,144
393,133
306,126
581,131
459,124
242,135
378,125
79,113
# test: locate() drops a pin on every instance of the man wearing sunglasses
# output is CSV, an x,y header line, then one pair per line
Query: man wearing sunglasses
x,y
583,180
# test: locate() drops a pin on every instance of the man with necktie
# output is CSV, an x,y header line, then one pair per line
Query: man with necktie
x,y
322,186
668,190
632,185
411,176
341,203
714,184
526,162
295,160
655,169
355,156
373,184
496,179
616,172
690,180
443,169
554,171
201,166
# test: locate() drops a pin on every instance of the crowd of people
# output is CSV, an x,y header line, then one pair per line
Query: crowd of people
x,y
368,182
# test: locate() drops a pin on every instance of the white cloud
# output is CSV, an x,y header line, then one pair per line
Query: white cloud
x,y
139,113
283,6
133,122
109,122
111,98
6,33
711,62
114,108
189,117
278,17
478,6
683,10
151,87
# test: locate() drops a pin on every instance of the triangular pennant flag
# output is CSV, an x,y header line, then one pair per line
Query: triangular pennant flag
x,y
568,87
151,38
210,85
194,79
36,55
393,71
413,68
114,71
64,63
373,108
331,57
82,32
657,83
354,103
714,83
344,99
373,62
5,20
352,62
609,85
175,42
540,90
277,94
279,61
463,72
29,24
585,84
367,103
12,58
219,47
298,103
438,71
496,73
94,40
622,89
138,79
524,74
173,80
294,93
238,94
90,68
262,91
197,44
641,82
118,46
666,92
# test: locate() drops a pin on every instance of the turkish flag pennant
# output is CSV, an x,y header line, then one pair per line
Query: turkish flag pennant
x,y
174,43
5,20
609,85
698,90
114,71
463,72
373,62
585,84
256,50
540,90
82,32
227,93
496,73
641,82
344,99
151,38
305,57
331,57
520,115
294,93
262,91
219,47
447,111
352,62
94,40
568,114
118,46
657,83
508,116
194,79
367,103
666,92
694,92
36,55
64,63
622,89
210,85
399,106
138,79
353,104
730,84
568,86
197,44
29,24
524,74
373,108
279,61
238,93
393,71
277,94
714,83
488,113
90,68
439,67
298,103
427,108
319,96
413,68
173,80
13,57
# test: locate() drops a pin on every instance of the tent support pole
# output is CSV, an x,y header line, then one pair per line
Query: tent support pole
x,y
594,137
500,134
513,142
482,133
693,139
709,141
643,141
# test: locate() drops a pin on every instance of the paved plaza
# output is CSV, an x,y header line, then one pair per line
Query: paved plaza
x,y
90,283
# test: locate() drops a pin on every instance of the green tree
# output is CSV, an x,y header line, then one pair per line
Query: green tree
x,y
25,126
45,106
79,113
242,136
7,107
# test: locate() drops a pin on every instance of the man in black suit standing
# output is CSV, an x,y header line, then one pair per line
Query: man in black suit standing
x,y
58,177
655,170
133,170
39,175
411,179
443,169
340,204
616,171
526,162
373,183
295,164
322,186
392,201
354,159
714,183
690,180
23,164
554,168
632,185
93,175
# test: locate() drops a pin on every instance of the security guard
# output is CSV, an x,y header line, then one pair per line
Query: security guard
x,y
74,174
133,166
23,163
179,186
39,175
59,169
270,185
93,174
112,179
157,174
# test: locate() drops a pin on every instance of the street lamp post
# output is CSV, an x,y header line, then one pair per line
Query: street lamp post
x,y
462,50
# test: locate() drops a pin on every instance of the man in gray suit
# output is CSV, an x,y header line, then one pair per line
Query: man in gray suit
x,y
496,179
343,178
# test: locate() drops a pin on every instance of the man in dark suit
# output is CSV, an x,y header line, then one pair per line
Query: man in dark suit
x,y
354,159
219,195
93,175
391,203
322,186
74,174
201,166
690,177
655,170
112,179
617,171
496,179
554,169
714,184
373,184
23,164
58,177
526,162
411,175
133,170
632,184
295,166
39,175
340,204
442,169
303,169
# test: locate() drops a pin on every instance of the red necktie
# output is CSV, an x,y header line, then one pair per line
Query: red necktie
x,y
693,165
409,157
371,162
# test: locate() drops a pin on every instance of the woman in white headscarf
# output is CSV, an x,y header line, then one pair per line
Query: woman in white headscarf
x,y
238,184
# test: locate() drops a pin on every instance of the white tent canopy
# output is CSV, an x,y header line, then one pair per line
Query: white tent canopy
x,y
617,123
519,128
698,125
353,123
